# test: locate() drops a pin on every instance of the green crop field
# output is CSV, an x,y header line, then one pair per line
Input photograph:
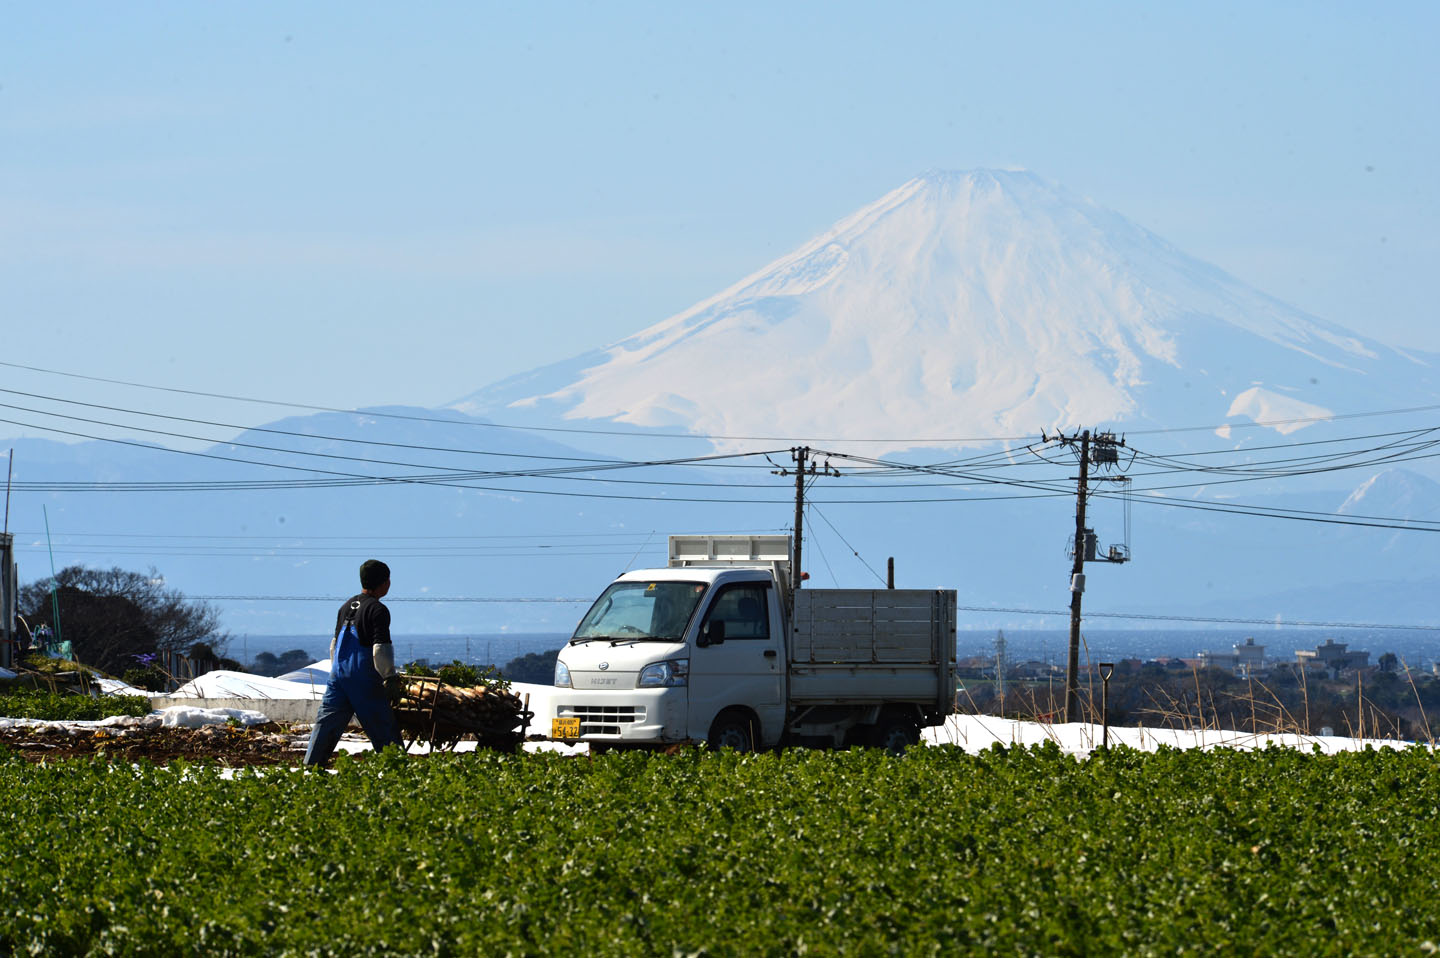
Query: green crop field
x,y
58,706
935,852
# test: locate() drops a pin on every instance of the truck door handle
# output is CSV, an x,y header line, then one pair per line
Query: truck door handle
x,y
769,653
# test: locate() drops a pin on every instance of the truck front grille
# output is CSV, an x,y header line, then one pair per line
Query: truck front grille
x,y
602,719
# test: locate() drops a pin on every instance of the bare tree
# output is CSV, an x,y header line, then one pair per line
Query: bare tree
x,y
113,617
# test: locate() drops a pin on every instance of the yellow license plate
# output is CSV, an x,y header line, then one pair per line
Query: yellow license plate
x,y
565,728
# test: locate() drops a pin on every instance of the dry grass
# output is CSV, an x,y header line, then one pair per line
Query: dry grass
x,y
1257,708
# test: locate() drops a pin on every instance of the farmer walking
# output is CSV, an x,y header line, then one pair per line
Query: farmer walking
x,y
363,680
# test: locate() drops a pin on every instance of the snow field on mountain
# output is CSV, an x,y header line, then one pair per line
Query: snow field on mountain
x,y
966,305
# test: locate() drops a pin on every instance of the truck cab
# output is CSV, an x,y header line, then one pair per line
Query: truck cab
x,y
716,648
698,648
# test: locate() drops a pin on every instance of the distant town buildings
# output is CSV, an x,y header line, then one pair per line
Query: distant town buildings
x,y
1329,660
1244,660
1332,657
1248,659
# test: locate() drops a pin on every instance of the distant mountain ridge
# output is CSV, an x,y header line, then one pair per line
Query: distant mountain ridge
x,y
512,540
972,305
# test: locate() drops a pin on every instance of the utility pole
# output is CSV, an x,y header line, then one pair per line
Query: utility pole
x,y
1077,586
1101,449
1001,664
9,606
804,466
800,455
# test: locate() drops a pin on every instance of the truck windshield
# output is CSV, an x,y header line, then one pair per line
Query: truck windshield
x,y
641,610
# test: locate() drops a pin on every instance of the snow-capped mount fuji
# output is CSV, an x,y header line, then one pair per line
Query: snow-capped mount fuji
x,y
960,306
972,305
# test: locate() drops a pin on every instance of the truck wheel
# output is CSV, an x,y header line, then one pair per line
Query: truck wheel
x,y
731,731
896,735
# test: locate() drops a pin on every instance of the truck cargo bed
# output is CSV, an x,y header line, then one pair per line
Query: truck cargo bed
x,y
881,645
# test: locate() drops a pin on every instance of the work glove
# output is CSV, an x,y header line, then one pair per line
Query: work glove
x,y
383,655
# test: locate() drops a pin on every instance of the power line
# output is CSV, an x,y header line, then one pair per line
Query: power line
x,y
393,598
339,480
1234,508
279,432
1140,616
1173,463
333,554
1303,465
632,433
853,550
636,433
561,471
583,462
618,536
1232,450
357,412
1297,623
1269,512
468,480
1296,421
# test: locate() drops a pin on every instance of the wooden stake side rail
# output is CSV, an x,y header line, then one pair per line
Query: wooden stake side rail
x,y
429,711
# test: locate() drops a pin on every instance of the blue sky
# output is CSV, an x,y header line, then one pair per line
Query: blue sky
x,y
357,204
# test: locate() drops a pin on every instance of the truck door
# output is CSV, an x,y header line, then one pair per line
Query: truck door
x,y
747,668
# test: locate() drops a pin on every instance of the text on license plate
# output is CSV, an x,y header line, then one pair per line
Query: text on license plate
x,y
565,728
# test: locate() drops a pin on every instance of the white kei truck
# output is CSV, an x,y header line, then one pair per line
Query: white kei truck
x,y
719,648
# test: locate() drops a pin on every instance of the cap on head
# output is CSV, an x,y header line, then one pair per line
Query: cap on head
x,y
373,574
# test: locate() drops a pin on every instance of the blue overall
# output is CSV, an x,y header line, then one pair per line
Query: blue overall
x,y
354,690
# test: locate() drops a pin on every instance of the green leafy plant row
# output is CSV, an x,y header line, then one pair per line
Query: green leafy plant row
x,y
460,674
1012,852
42,704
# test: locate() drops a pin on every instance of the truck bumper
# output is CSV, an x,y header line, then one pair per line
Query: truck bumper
x,y
633,717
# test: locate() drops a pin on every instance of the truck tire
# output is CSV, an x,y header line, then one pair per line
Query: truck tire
x,y
895,735
732,730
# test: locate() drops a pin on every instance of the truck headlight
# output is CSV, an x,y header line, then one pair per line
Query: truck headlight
x,y
659,675
562,675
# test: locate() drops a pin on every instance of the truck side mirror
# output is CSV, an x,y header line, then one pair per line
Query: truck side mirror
x,y
713,633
